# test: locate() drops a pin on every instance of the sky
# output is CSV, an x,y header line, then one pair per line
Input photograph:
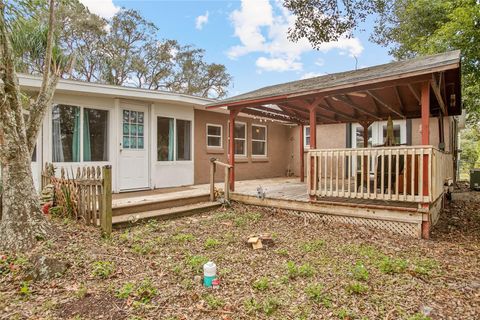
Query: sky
x,y
250,38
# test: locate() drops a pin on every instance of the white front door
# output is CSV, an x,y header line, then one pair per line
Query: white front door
x,y
133,159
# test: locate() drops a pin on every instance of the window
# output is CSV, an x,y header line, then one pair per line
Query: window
x,y
95,135
214,136
183,140
69,129
174,136
240,138
396,134
259,140
306,136
165,136
359,137
133,129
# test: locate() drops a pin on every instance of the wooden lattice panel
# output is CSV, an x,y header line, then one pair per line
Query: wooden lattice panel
x,y
397,227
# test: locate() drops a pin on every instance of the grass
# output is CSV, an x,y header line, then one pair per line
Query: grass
x,y
312,271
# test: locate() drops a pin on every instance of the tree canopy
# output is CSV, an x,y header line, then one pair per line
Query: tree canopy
x,y
124,50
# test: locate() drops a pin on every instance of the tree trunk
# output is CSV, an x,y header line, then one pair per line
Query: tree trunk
x,y
23,222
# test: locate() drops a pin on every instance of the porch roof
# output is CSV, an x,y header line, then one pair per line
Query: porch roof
x,y
368,94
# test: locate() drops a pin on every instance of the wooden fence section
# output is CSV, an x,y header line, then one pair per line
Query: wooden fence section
x,y
213,168
83,195
387,173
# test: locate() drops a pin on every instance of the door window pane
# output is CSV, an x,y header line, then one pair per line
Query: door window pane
x,y
65,133
95,135
359,137
396,134
133,129
183,140
306,135
165,136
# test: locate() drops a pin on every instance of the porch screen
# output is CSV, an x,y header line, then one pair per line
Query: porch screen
x,y
183,140
65,133
165,136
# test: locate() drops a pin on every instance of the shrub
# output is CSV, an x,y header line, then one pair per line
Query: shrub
x,y
391,266
103,269
359,272
261,284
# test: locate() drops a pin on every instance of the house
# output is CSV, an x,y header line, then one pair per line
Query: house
x,y
330,130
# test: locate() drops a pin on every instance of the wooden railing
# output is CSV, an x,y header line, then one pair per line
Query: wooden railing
x,y
408,173
85,195
226,189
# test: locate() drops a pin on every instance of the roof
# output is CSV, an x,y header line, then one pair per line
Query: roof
x,y
30,82
388,71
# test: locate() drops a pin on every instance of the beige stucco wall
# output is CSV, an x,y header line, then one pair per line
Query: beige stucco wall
x,y
434,134
329,136
273,165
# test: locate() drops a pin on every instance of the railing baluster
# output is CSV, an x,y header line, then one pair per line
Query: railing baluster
x,y
336,173
397,182
390,174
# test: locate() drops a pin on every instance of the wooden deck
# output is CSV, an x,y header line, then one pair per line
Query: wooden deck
x,y
287,194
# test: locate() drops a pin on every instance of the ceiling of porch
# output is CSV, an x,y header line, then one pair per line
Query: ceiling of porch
x,y
368,94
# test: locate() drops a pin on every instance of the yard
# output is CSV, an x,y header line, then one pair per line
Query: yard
x,y
311,272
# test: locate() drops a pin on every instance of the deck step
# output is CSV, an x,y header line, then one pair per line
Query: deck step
x,y
165,202
164,214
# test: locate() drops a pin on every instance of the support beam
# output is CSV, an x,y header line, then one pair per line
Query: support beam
x,y
313,146
302,155
340,113
425,105
401,106
308,105
414,92
383,103
233,115
438,94
355,106
259,113
366,175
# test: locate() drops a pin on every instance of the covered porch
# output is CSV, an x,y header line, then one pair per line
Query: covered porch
x,y
400,180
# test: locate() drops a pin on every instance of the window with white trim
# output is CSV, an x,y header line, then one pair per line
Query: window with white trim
x,y
259,140
214,135
306,136
240,138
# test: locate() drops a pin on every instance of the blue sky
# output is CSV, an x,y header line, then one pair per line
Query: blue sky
x,y
249,38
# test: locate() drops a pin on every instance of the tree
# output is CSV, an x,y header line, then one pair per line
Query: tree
x,y
22,222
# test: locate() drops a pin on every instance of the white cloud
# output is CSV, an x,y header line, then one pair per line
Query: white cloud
x,y
309,75
202,20
262,28
278,64
320,62
103,8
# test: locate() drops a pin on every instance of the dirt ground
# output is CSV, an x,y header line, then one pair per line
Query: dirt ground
x,y
312,271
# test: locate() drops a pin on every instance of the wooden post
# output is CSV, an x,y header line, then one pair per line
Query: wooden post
x,y
227,191
212,179
366,174
425,105
302,155
233,114
106,214
313,146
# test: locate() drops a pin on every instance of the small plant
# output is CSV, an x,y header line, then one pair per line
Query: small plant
x,y
211,243
81,292
356,288
344,314
196,262
270,306
145,292
292,270
125,291
391,266
425,267
359,272
213,302
144,248
251,305
314,292
419,316
306,270
103,269
261,284
25,289
250,217
312,246
183,237
282,252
